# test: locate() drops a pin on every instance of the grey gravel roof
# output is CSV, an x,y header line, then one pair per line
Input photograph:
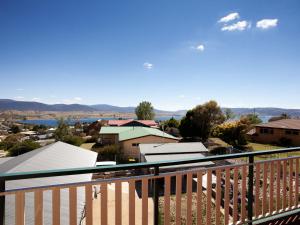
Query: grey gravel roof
x,y
177,151
58,155
172,147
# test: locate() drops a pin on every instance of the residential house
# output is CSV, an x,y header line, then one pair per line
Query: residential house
x,y
54,156
129,138
135,123
285,131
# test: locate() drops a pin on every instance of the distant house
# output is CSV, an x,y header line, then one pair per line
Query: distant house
x,y
285,131
174,151
130,123
54,156
130,138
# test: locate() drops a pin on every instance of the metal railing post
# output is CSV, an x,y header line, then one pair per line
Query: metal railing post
x,y
250,188
2,202
156,197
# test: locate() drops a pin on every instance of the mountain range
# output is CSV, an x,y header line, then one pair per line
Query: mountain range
x,y
8,104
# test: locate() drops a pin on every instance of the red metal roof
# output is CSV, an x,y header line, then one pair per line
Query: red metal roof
x,y
149,123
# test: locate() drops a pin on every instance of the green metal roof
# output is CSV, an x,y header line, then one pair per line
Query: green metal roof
x,y
126,133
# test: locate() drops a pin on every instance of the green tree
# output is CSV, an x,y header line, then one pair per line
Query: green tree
x,y
15,129
198,122
62,130
171,123
251,119
23,147
73,140
145,111
233,133
108,152
10,141
228,114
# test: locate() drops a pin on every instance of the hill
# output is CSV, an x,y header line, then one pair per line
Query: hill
x,y
8,104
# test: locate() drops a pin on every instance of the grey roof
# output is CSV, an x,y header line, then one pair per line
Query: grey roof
x,y
5,159
58,155
157,158
172,147
177,151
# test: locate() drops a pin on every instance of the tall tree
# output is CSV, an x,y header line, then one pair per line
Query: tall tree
x,y
199,121
229,114
145,111
62,130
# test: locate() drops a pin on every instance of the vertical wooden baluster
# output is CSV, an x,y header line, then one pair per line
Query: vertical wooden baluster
x,y
284,185
20,208
178,199
235,194
103,190
118,203
73,205
199,198
265,184
56,206
89,204
144,201
271,198
167,200
257,190
227,192
218,196
131,202
291,162
297,182
208,197
244,191
38,207
278,191
189,181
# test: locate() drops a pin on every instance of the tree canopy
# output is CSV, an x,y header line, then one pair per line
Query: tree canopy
x,y
198,122
145,111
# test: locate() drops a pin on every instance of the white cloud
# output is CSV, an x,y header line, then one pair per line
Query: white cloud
x,y
19,97
148,66
72,100
240,26
200,48
229,17
181,96
78,99
36,99
266,23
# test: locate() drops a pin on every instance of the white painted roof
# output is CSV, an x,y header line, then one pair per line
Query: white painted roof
x,y
58,155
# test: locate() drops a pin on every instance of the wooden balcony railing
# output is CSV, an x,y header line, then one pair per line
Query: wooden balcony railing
x,y
241,193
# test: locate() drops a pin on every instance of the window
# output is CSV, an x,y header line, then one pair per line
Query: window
x,y
295,132
266,131
135,144
288,132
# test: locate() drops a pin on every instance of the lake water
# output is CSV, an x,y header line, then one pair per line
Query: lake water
x,y
53,122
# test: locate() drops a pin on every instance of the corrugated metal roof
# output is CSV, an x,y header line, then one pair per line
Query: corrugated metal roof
x,y
124,122
283,124
126,133
54,156
157,158
172,147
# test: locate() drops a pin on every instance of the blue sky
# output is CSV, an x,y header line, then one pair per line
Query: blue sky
x,y
174,53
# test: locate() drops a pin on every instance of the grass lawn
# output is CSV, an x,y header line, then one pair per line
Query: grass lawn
x,y
87,146
264,147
